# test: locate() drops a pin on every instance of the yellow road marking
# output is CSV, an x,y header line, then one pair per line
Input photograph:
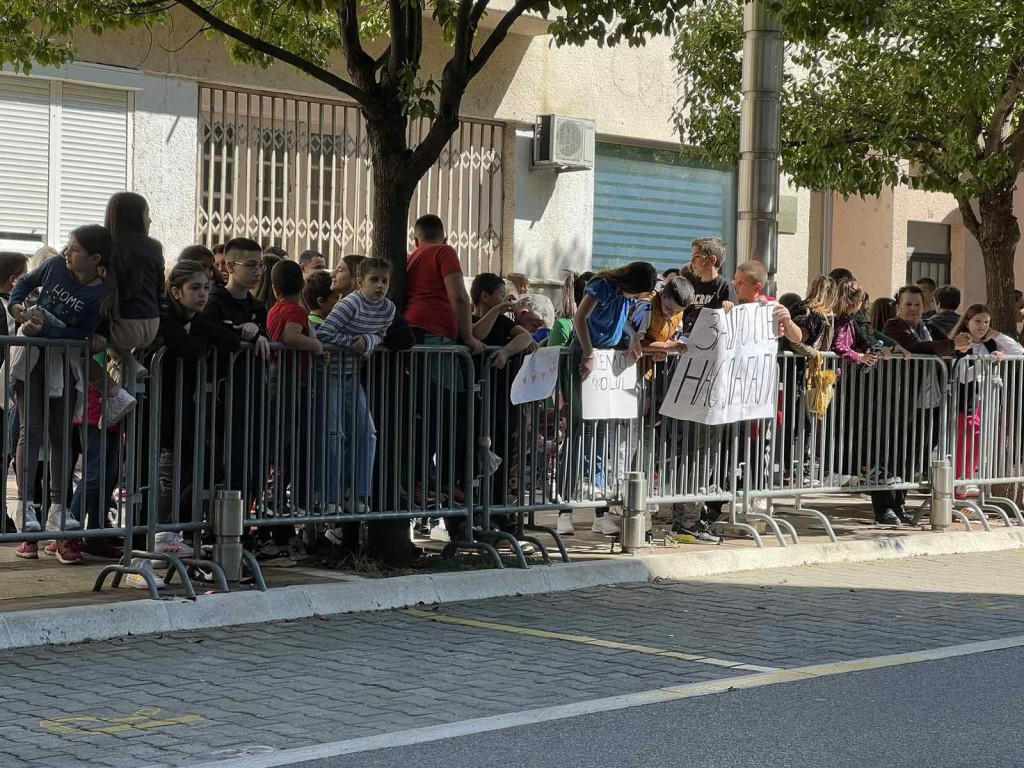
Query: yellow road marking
x,y
585,640
143,719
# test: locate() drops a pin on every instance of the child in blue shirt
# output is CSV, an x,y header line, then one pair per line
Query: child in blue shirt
x,y
72,290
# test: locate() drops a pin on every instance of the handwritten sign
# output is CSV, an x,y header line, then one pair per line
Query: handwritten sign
x,y
610,391
730,371
537,377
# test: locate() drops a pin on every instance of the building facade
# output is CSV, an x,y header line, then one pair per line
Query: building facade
x,y
222,150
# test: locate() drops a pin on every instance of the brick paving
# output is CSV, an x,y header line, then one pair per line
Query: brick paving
x,y
176,700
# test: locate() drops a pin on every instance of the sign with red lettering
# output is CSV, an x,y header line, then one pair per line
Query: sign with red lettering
x,y
610,391
730,371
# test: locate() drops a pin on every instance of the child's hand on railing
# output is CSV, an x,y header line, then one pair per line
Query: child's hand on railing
x,y
261,345
249,331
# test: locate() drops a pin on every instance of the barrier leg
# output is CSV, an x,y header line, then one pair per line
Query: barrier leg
x,y
550,532
120,570
959,515
826,523
732,522
1011,504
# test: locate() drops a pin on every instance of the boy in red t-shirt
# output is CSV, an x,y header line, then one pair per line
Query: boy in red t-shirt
x,y
288,323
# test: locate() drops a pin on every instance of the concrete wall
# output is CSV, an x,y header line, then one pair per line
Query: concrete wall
x,y
862,241
869,236
165,157
554,215
793,249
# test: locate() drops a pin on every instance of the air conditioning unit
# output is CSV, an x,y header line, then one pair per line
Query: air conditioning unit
x,y
563,143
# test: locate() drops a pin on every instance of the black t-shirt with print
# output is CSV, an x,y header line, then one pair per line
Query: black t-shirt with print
x,y
711,294
501,331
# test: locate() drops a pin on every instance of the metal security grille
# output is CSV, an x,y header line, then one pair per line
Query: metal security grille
x,y
295,173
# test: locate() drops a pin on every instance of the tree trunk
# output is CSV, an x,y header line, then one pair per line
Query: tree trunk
x,y
998,234
393,188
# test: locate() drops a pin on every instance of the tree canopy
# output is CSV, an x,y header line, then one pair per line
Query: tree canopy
x,y
919,92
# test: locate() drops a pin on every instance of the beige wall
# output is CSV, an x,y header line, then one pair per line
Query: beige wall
x,y
862,235
629,91
869,237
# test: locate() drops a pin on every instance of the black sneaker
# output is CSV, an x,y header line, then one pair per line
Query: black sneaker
x,y
888,517
701,531
905,516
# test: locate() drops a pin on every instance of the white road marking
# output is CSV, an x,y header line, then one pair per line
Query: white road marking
x,y
608,704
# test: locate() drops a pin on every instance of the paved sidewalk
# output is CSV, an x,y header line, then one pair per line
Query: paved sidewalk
x,y
200,696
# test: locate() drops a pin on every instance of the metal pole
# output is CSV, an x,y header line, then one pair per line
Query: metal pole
x,y
758,199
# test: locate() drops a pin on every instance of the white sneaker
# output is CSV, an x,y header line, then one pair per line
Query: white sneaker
x,y
358,508
28,510
54,515
117,407
170,543
605,526
440,533
135,581
565,527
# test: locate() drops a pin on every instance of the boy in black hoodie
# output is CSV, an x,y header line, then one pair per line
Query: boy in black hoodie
x,y
233,307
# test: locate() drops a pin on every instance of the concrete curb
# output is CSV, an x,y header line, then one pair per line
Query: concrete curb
x,y
60,626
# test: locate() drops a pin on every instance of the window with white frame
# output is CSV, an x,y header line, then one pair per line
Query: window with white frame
x,y
66,150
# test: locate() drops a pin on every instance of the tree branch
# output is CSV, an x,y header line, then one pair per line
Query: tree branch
x,y
970,218
499,33
1004,106
361,66
399,39
382,59
269,49
478,12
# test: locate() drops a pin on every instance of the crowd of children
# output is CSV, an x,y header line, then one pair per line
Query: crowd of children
x,y
109,286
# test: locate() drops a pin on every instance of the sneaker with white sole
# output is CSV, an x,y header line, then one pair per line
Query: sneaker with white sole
x,y
116,407
136,581
605,526
25,519
565,527
56,513
440,532
170,543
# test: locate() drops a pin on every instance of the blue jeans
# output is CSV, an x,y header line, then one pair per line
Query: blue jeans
x,y
348,445
88,492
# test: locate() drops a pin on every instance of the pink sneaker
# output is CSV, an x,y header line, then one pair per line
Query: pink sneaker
x,y
70,552
28,550
51,549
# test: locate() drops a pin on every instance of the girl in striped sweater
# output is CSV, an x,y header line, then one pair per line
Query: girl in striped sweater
x,y
359,322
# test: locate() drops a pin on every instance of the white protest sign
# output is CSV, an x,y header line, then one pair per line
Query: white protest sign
x,y
610,391
537,377
730,371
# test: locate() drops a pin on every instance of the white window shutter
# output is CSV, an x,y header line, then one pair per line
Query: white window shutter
x,y
93,153
24,162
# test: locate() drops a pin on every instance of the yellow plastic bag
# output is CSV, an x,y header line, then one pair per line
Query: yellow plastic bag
x,y
821,387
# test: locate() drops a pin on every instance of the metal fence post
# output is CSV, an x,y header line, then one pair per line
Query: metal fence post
x,y
228,516
634,512
941,514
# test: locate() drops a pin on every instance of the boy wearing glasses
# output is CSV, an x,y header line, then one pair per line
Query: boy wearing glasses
x,y
232,305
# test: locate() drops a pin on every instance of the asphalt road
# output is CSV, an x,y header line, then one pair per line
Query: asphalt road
x,y
964,711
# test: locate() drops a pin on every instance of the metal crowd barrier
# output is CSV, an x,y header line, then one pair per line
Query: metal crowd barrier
x,y
323,442
311,443
883,430
986,434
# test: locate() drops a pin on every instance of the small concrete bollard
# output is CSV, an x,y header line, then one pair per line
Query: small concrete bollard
x,y
228,516
634,512
941,515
